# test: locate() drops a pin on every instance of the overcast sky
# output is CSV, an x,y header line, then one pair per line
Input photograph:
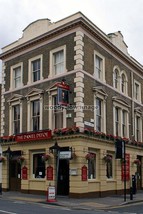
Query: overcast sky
x,y
109,15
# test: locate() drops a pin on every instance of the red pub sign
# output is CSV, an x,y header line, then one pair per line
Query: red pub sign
x,y
127,165
40,135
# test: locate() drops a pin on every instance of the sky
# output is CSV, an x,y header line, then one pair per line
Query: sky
x,y
109,15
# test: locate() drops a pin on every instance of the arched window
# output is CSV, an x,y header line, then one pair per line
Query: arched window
x,y
124,82
116,78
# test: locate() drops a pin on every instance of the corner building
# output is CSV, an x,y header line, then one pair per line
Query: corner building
x,y
68,92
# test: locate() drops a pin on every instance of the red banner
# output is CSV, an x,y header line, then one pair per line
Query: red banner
x,y
84,173
24,173
41,135
50,173
127,165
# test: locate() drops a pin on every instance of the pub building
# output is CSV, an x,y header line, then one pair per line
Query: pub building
x,y
70,92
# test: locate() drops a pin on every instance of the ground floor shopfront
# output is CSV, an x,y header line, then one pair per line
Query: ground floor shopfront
x,y
77,165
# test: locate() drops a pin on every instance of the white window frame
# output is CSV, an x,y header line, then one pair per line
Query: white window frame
x,y
52,52
125,83
116,68
103,111
122,107
113,167
32,153
12,82
11,105
30,71
51,111
138,115
138,99
29,107
102,74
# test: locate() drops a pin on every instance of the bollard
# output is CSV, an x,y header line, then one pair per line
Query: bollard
x,y
0,189
131,193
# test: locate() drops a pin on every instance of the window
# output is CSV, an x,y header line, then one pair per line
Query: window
x,y
138,127
123,83
117,121
120,118
137,91
124,126
16,119
109,168
116,78
92,166
16,76
34,109
99,66
35,115
98,115
35,69
100,109
58,61
15,114
38,166
57,114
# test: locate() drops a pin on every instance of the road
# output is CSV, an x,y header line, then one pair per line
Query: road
x,y
22,207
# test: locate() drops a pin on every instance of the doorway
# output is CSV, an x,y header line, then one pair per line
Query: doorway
x,y
14,176
63,177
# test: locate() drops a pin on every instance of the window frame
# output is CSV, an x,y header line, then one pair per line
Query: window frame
x,y
116,78
52,53
40,152
138,128
125,91
11,105
30,65
101,96
138,99
102,66
12,75
121,107
30,100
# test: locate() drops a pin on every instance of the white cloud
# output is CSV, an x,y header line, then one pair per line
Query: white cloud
x,y
109,16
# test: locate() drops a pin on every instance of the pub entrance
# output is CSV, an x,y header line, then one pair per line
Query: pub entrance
x,y
14,172
63,177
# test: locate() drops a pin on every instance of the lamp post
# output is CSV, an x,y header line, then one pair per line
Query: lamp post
x,y
55,150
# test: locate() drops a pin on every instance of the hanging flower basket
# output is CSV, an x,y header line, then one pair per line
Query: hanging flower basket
x,y
20,159
137,162
2,159
90,156
107,158
45,157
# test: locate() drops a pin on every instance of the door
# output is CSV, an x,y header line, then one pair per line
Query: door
x,y
15,175
63,177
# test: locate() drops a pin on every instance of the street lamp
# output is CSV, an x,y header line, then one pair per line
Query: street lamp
x,y
55,150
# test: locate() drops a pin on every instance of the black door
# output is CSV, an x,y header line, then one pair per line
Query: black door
x,y
15,176
63,177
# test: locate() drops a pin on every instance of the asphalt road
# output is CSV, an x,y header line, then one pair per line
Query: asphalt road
x,y
22,207
134,208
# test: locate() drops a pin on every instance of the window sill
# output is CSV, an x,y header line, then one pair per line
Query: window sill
x,y
37,179
93,180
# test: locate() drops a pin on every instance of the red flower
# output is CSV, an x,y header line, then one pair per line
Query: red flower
x,y
90,156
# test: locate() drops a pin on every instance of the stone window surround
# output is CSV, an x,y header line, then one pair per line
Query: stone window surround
x,y
51,73
30,73
12,75
103,65
122,107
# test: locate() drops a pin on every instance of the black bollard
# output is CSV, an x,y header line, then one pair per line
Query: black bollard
x,y
131,193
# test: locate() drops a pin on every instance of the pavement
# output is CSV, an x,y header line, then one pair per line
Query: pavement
x,y
84,203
